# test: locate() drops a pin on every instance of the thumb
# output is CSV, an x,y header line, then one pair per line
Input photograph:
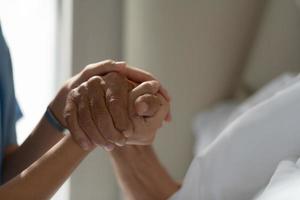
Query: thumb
x,y
147,105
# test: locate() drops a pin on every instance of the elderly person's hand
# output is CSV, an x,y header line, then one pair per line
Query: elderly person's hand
x,y
147,109
104,111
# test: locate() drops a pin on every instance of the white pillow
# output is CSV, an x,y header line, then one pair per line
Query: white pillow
x,y
210,123
243,158
285,183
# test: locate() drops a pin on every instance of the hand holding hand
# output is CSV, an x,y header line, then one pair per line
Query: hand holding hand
x,y
103,111
123,124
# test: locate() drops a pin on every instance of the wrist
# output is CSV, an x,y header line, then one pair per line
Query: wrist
x,y
139,166
57,105
53,121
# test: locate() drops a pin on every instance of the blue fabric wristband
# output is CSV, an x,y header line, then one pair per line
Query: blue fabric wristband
x,y
53,120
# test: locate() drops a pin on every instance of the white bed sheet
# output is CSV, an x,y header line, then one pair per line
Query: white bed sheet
x,y
241,160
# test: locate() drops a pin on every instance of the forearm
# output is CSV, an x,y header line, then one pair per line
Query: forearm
x,y
41,179
42,138
141,175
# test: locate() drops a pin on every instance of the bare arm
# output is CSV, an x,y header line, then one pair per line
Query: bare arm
x,y
139,172
45,176
43,137
141,175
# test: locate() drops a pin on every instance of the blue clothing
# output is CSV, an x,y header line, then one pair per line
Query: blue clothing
x,y
9,109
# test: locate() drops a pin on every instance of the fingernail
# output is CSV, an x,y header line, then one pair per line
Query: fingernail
x,y
142,108
85,146
109,147
121,143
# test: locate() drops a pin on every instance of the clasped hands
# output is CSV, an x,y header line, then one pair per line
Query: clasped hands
x,y
109,104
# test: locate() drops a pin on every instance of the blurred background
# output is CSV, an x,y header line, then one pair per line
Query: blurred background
x,y
204,51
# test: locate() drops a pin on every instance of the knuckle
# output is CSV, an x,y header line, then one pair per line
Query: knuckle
x,y
82,89
95,80
89,66
113,76
108,62
73,95
86,69
94,83
148,86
